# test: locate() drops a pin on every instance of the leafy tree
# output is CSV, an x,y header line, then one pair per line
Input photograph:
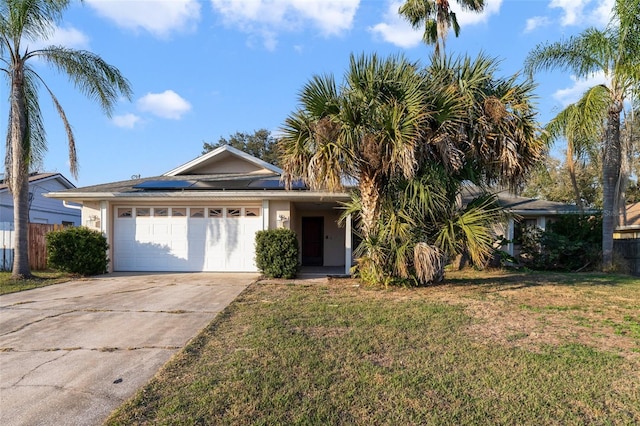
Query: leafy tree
x,y
552,181
436,17
21,22
260,144
614,52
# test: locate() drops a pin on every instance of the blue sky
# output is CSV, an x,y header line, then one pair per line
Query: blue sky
x,y
205,69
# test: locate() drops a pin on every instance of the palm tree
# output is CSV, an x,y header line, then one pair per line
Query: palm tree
x,y
365,130
422,225
581,124
410,138
436,17
481,130
21,22
614,52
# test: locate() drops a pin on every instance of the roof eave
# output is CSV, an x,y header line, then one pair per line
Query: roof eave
x,y
200,195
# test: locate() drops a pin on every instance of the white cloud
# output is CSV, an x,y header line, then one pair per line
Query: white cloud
x,y
67,37
583,12
572,94
167,104
394,29
159,17
266,18
536,22
466,17
127,121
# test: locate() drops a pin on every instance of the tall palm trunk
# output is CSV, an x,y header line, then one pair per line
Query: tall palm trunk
x,y
611,172
19,178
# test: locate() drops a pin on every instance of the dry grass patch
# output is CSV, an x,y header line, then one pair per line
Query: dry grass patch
x,y
532,310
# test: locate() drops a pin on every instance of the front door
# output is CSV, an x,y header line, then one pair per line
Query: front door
x,y
312,241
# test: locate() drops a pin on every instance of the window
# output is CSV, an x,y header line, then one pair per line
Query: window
x,y
215,212
178,211
234,212
252,211
161,211
125,212
143,212
196,212
66,223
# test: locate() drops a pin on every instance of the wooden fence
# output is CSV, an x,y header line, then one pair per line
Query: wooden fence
x,y
37,245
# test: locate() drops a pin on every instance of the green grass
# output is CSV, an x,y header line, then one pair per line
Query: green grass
x,y
41,279
468,352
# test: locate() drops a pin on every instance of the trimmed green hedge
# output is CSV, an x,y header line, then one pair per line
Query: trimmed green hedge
x,y
277,253
78,250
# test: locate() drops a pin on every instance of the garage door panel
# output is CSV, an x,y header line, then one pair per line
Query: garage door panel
x,y
185,244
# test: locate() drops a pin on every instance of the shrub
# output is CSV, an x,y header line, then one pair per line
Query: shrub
x,y
573,242
78,250
277,253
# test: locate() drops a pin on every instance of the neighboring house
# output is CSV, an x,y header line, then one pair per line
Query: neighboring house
x,y
530,212
526,212
41,209
203,216
632,215
626,238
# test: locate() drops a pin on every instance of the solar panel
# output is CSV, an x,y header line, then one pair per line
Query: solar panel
x,y
165,184
274,184
230,185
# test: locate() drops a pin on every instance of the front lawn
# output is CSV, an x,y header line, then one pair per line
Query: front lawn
x,y
485,348
40,279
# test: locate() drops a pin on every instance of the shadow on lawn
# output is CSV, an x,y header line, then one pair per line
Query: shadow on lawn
x,y
507,279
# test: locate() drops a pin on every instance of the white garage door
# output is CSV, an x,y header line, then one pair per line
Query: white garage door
x,y
185,238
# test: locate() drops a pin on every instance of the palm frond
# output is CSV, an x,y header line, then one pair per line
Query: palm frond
x,y
572,55
90,74
429,263
31,20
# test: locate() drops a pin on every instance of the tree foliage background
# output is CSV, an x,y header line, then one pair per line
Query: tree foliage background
x,y
260,144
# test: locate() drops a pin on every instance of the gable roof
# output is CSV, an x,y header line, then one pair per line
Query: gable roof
x,y
210,163
41,177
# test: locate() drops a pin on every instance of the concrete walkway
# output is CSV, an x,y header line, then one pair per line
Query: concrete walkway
x,y
71,353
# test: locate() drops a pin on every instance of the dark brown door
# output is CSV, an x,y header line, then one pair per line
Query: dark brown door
x,y
312,241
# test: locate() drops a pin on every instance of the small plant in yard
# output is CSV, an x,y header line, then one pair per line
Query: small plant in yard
x,y
78,250
277,253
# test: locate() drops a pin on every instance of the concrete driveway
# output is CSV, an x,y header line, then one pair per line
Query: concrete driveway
x,y
73,352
